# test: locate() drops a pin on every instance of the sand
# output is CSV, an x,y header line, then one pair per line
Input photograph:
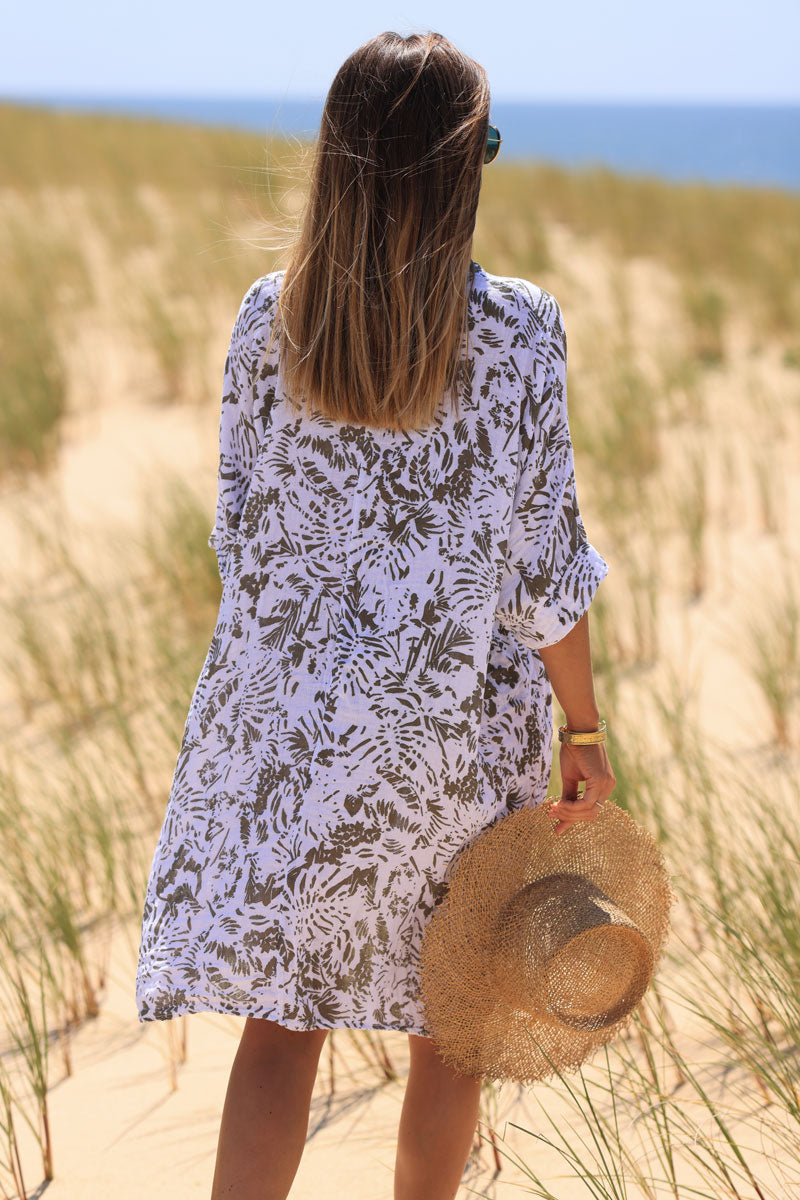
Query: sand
x,y
119,1128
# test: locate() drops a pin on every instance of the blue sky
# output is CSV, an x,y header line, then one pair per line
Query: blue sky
x,y
687,50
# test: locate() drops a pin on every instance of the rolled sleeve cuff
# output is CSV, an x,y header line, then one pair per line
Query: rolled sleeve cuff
x,y
572,596
222,551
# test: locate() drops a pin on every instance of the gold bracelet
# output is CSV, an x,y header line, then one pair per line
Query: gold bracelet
x,y
588,737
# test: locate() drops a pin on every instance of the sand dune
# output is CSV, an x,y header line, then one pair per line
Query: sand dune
x,y
118,1126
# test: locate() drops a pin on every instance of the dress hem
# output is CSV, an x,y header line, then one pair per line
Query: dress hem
x,y
198,1005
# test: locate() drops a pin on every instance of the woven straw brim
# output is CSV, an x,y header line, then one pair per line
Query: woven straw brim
x,y
480,1008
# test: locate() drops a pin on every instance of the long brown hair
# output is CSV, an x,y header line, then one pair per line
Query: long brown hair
x,y
372,311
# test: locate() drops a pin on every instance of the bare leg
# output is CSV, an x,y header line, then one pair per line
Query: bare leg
x,y
437,1125
265,1117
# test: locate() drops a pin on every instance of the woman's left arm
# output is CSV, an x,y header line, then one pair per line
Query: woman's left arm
x,y
238,435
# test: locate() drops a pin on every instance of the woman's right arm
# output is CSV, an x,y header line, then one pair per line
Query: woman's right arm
x,y
553,571
569,668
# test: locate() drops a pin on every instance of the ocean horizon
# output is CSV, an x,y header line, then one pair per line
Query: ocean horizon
x,y
756,145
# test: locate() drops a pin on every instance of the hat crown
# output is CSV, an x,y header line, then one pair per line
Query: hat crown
x,y
567,952
560,906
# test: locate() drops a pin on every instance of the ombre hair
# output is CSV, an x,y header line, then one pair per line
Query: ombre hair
x,y
373,307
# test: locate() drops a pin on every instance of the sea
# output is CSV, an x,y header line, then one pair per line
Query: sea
x,y
754,145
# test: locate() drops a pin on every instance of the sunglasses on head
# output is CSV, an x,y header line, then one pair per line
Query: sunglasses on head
x,y
492,145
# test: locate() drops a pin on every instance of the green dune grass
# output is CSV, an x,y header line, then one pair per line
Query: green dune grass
x,y
142,236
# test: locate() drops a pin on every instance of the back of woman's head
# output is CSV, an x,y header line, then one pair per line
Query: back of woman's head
x,y
373,307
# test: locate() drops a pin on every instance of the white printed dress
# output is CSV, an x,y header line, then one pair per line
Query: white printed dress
x,y
372,697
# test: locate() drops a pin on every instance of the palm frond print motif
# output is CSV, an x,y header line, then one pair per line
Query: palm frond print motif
x,y
372,697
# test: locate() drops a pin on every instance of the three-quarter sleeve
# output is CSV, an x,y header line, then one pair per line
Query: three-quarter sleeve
x,y
238,435
551,569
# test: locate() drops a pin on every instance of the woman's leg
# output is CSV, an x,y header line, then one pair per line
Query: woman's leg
x,y
265,1117
437,1125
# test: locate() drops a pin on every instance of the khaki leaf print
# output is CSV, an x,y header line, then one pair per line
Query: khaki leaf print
x,y
373,697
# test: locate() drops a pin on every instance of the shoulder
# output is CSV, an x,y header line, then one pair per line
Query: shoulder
x,y
256,306
534,306
262,293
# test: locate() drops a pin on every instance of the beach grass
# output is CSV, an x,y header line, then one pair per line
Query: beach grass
x,y
143,236
772,651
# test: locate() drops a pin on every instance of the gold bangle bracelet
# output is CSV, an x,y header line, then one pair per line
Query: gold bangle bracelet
x,y
588,737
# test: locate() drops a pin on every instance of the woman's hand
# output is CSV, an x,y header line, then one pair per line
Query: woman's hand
x,y
589,763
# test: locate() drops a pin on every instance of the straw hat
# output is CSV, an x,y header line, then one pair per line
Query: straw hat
x,y
544,943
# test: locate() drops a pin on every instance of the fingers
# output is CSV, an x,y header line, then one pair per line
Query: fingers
x,y
574,806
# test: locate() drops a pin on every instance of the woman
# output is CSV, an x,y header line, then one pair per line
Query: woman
x,y
405,573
